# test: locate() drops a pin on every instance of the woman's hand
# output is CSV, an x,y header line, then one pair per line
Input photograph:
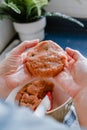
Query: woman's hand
x,y
73,79
13,71
74,76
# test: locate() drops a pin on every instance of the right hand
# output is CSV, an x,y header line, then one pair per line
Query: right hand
x,y
74,76
73,79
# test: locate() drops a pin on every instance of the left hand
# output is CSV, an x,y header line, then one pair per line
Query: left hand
x,y
13,71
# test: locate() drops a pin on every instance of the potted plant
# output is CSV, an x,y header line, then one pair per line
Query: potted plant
x,y
29,17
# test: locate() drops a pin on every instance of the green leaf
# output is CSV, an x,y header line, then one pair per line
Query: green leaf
x,y
13,7
40,4
34,8
65,17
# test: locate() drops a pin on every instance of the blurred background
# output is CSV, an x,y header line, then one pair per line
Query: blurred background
x,y
74,8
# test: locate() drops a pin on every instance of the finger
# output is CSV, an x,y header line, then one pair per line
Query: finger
x,y
24,46
70,64
68,57
73,53
24,57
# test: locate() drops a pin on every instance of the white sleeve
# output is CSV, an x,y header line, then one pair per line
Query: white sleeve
x,y
19,118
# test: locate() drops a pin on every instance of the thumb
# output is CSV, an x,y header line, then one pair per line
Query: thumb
x,y
24,46
73,53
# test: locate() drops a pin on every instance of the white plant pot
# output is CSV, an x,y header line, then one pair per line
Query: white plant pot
x,y
30,31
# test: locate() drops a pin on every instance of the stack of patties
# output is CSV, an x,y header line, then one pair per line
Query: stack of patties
x,y
44,61
32,94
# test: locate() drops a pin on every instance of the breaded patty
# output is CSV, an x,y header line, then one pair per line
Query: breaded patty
x,y
46,59
32,94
